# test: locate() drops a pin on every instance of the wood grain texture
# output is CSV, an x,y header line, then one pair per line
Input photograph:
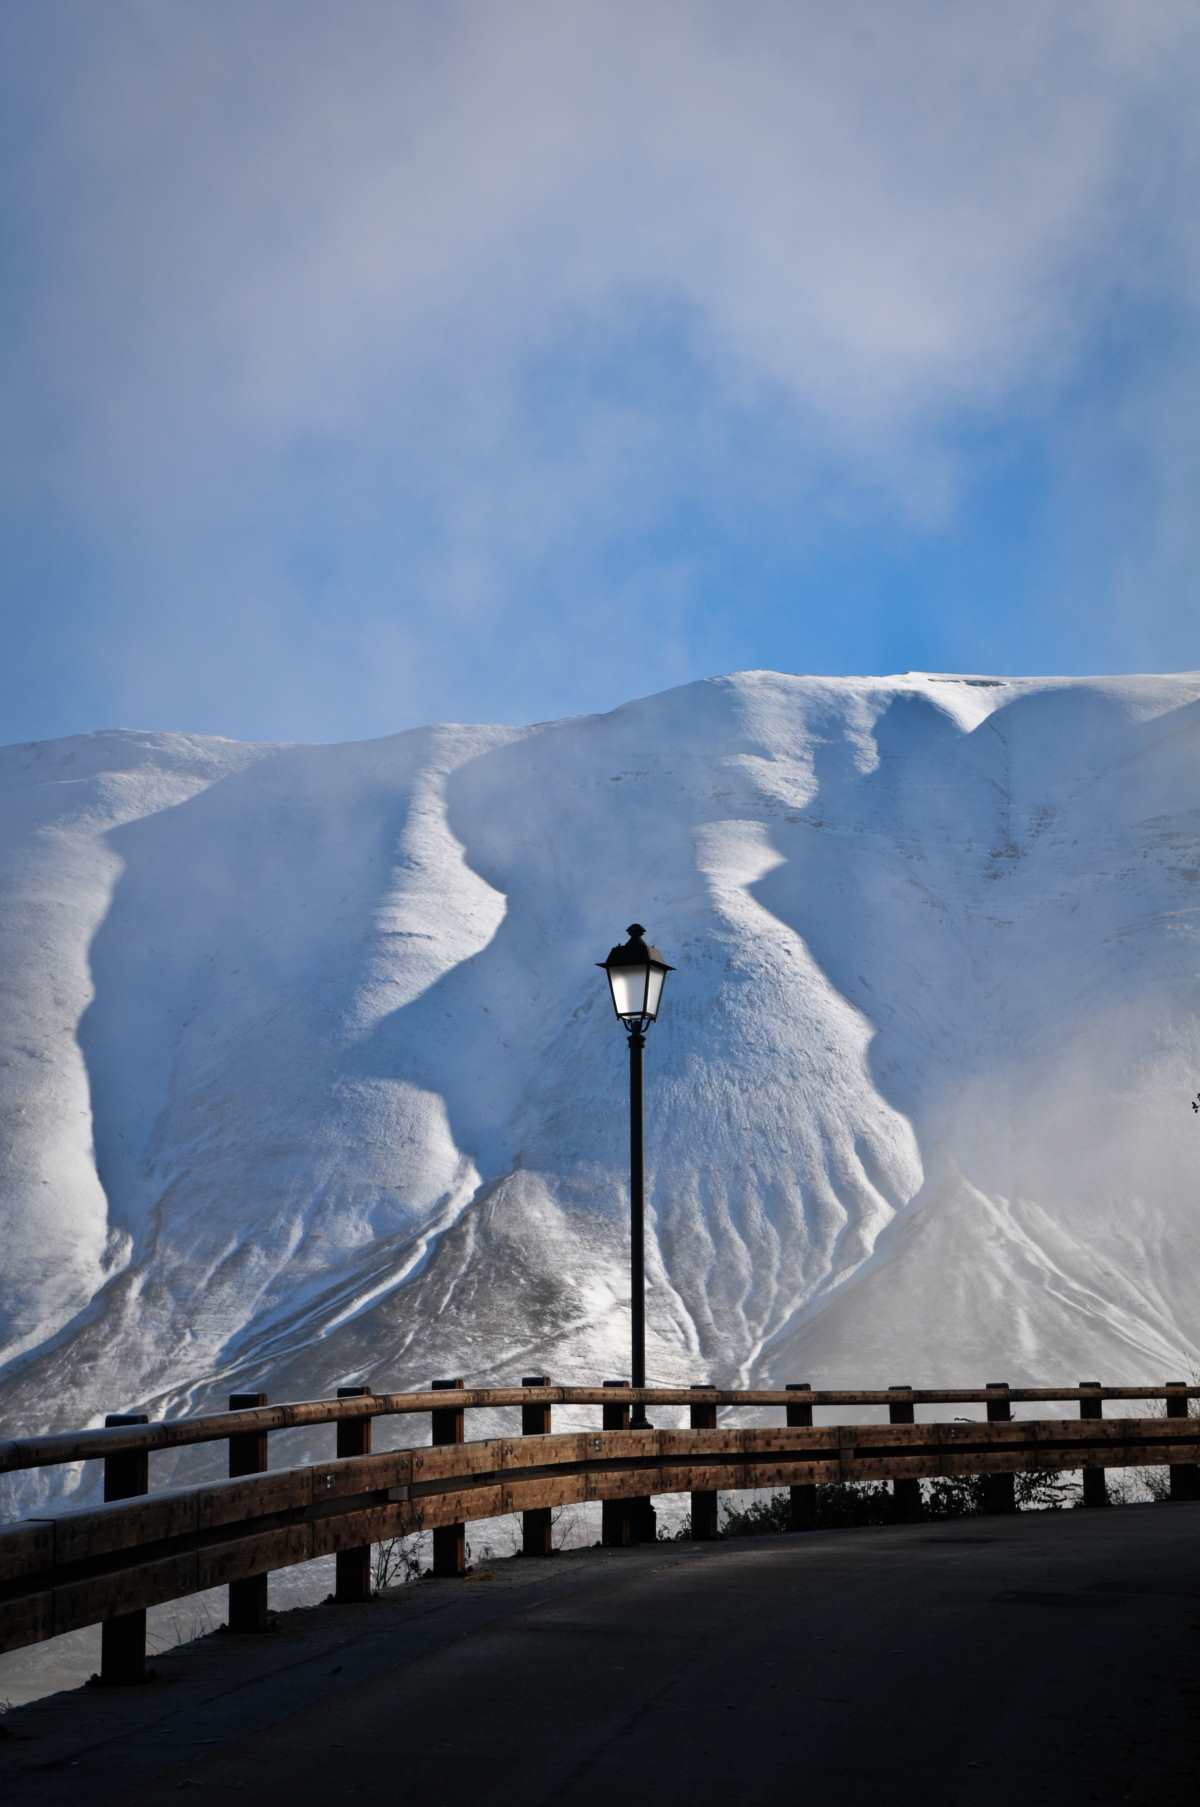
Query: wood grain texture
x,y
78,1446
76,1567
131,1589
27,1620
26,1548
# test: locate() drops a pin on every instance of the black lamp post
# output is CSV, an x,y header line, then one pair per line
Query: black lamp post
x,y
636,974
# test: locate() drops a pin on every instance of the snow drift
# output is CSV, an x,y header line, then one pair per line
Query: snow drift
x,y
307,1076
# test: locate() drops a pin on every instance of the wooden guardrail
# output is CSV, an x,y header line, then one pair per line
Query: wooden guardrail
x,y
76,1566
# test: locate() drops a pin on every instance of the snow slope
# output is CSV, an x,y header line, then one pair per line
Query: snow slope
x,y
307,1075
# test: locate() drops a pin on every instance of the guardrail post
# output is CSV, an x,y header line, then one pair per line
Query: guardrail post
x,y
123,1639
999,1490
906,1494
536,1522
449,1541
353,1567
616,1528
1095,1485
1185,1476
704,1503
248,1455
802,1500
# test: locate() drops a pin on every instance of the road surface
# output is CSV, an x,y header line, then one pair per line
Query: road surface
x,y
1050,1658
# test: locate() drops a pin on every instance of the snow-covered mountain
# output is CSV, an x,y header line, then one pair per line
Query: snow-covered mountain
x,y
307,1075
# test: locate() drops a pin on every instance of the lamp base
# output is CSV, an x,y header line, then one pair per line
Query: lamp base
x,y
643,1521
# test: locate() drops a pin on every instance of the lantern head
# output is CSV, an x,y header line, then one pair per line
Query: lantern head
x,y
636,974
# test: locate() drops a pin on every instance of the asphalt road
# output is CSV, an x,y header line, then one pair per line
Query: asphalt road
x,y
1049,1658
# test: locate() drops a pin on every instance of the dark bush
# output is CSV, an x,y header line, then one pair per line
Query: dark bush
x,y
837,1504
845,1503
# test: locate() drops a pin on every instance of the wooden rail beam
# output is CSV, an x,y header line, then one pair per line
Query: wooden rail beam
x,y
21,1453
110,1562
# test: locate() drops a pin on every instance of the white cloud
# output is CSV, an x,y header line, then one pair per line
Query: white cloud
x,y
374,225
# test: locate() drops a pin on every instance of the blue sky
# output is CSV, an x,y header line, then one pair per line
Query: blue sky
x,y
373,364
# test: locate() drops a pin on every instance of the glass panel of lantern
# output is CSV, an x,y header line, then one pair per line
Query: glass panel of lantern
x,y
629,989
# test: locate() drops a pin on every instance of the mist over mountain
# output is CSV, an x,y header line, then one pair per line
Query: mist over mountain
x,y
307,1076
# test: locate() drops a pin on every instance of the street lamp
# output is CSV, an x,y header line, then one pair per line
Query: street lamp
x,y
636,974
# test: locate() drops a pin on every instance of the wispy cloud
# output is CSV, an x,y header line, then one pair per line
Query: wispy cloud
x,y
369,324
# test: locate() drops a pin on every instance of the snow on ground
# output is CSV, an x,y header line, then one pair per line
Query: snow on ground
x,y
307,1075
